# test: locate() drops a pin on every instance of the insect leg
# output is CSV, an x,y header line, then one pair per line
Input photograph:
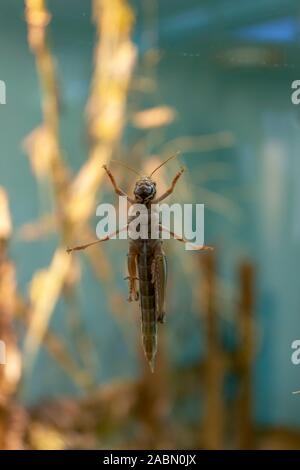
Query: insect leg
x,y
171,188
184,240
118,190
132,271
159,278
87,245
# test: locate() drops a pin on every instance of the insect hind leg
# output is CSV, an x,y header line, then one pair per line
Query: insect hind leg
x,y
159,278
132,277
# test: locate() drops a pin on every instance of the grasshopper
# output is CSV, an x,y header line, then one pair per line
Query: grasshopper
x,y
147,263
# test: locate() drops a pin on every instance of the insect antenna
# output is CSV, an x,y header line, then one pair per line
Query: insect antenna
x,y
166,161
126,166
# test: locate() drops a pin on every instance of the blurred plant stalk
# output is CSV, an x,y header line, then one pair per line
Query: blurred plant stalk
x,y
75,197
219,362
11,418
246,356
215,363
114,59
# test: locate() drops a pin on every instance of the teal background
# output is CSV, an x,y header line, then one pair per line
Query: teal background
x,y
211,94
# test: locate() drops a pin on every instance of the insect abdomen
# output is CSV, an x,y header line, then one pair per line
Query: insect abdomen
x,y
147,302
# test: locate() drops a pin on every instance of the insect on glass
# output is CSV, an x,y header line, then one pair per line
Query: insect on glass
x,y
147,266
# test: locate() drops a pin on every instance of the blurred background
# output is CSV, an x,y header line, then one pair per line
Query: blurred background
x,y
87,82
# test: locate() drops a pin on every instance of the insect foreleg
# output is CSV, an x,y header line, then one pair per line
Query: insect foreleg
x,y
104,239
118,190
171,188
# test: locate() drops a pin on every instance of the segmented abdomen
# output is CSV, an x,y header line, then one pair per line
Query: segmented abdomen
x,y
147,303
